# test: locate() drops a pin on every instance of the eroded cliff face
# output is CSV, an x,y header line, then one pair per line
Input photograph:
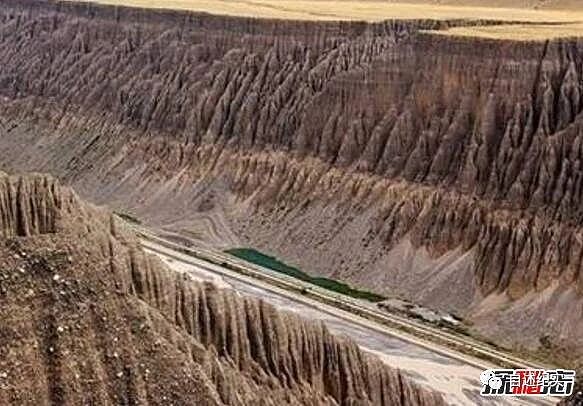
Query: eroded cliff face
x,y
87,317
445,170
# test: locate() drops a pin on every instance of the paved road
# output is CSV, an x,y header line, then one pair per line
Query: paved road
x,y
458,380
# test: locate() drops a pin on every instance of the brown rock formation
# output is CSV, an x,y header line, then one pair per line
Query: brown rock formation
x,y
446,170
87,318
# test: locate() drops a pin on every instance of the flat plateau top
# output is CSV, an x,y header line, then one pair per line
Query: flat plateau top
x,y
568,13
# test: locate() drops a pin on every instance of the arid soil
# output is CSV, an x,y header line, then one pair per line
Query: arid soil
x,y
444,170
528,4
86,317
554,18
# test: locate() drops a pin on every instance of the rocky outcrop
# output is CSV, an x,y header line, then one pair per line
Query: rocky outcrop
x,y
87,317
37,205
377,153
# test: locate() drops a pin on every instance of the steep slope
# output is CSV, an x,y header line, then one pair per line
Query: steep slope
x,y
87,318
444,170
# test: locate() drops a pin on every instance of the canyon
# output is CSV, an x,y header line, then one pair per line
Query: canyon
x,y
87,317
445,170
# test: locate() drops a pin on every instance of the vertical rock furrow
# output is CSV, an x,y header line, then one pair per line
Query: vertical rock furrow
x,y
295,352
